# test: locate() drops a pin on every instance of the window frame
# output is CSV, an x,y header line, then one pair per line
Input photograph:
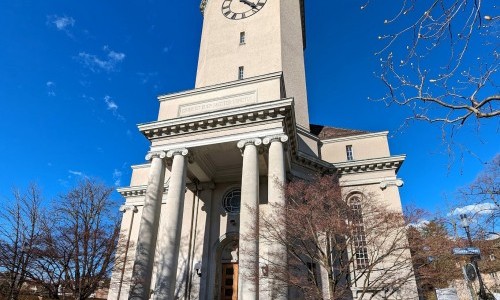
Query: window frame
x,y
360,247
242,38
241,72
349,152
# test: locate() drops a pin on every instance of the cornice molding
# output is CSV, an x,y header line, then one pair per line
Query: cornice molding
x,y
355,137
141,166
215,120
136,191
221,86
370,165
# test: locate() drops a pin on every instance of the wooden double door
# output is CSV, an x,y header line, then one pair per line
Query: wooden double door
x,y
229,282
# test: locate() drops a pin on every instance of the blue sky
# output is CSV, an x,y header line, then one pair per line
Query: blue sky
x,y
77,76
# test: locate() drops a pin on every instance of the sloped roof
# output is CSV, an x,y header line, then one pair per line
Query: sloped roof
x,y
325,132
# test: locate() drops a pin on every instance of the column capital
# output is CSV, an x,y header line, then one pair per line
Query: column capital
x,y
156,154
283,138
174,152
126,207
243,143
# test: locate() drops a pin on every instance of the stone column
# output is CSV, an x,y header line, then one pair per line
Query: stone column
x,y
148,229
278,255
248,285
167,273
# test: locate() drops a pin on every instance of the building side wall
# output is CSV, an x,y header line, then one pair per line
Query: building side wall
x,y
363,146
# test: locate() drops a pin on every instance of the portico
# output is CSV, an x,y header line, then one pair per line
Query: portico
x,y
248,231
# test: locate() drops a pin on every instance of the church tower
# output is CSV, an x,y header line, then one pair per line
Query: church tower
x,y
244,39
220,154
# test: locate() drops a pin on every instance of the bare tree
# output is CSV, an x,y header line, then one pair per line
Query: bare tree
x,y
20,233
334,245
480,199
441,59
84,242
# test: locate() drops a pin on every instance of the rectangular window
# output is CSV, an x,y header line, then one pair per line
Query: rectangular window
x,y
242,38
348,150
241,73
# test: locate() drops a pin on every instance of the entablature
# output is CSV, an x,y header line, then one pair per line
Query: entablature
x,y
215,120
370,165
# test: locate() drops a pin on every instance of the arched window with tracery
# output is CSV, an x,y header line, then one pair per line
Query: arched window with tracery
x,y
360,248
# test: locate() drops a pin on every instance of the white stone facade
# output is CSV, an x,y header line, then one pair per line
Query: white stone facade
x,y
233,133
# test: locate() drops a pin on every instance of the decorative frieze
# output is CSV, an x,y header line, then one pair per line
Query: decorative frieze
x,y
218,104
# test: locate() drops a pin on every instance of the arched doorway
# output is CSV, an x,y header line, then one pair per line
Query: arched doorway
x,y
229,271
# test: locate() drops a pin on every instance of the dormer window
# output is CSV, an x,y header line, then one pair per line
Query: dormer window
x,y
348,150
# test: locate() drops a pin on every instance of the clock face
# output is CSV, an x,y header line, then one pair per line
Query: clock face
x,y
241,9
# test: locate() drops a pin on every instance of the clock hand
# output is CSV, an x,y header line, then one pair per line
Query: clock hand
x,y
249,3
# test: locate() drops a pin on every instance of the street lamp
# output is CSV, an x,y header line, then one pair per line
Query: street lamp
x,y
465,224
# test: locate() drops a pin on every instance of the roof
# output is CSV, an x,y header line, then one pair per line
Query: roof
x,y
325,132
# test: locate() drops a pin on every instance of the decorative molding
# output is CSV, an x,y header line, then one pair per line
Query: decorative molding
x,y
222,86
355,137
349,182
395,182
219,119
141,166
233,138
156,154
137,191
370,165
225,102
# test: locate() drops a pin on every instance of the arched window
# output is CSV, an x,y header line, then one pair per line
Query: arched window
x,y
358,230
232,201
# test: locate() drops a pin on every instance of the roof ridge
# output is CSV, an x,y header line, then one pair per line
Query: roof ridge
x,y
328,132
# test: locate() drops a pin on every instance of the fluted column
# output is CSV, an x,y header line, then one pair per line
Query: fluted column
x,y
248,284
148,229
173,224
276,180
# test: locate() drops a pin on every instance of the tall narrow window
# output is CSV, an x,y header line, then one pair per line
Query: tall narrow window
x,y
242,38
358,232
241,73
348,150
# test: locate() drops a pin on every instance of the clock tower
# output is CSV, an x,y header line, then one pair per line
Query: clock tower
x,y
253,38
